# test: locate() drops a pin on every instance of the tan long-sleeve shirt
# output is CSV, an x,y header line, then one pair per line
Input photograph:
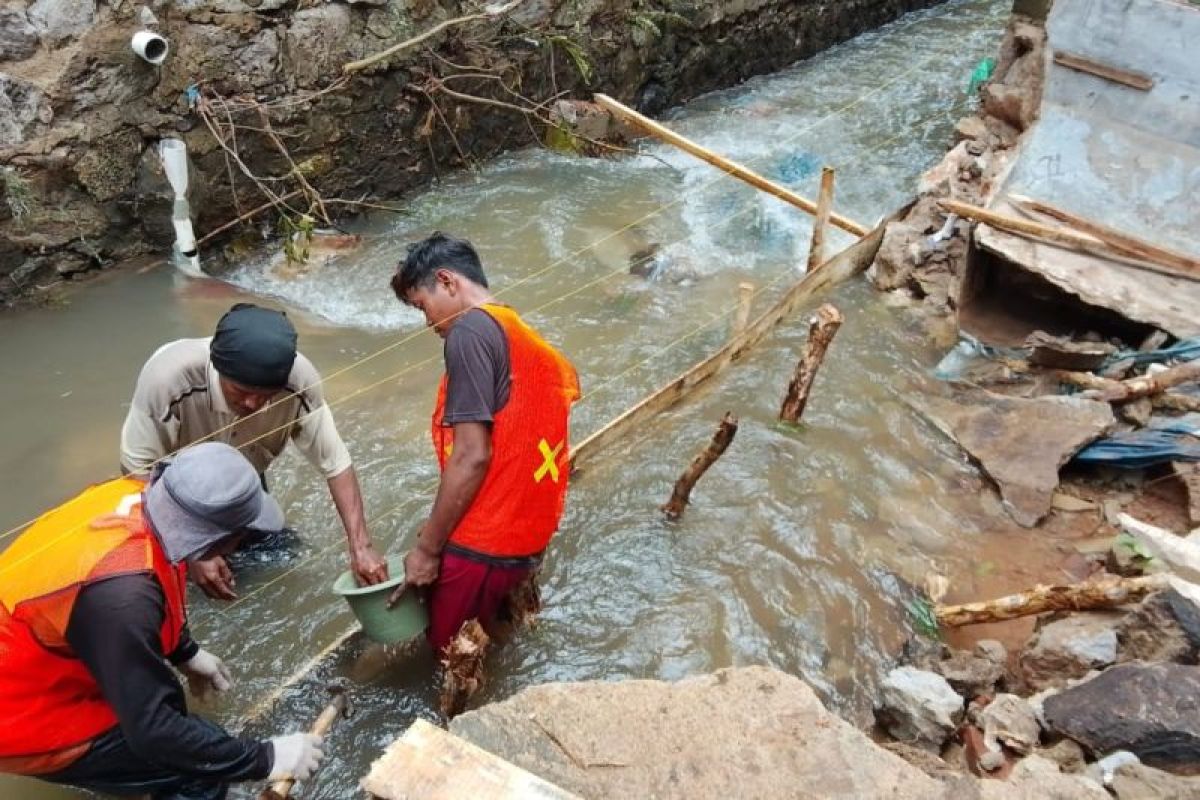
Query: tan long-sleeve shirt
x,y
178,401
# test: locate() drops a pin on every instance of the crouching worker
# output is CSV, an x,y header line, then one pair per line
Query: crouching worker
x,y
499,436
92,616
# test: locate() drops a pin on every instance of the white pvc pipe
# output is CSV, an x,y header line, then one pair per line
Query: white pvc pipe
x,y
150,47
173,153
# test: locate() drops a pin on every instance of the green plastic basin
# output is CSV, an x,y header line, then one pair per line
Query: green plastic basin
x,y
369,604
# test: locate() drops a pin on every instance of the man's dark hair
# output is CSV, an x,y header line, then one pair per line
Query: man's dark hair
x,y
427,256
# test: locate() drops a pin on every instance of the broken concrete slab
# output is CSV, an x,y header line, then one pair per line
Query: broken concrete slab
x,y
1021,443
1149,709
749,732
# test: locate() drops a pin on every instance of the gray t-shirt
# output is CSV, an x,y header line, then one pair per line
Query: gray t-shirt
x,y
477,369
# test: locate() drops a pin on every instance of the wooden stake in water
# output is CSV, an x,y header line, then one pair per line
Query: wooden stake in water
x,y
337,708
700,464
816,251
820,333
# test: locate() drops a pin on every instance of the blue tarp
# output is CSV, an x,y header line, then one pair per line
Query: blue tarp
x,y
1183,350
1161,442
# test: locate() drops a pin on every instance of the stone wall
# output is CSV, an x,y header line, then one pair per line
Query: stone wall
x,y
81,187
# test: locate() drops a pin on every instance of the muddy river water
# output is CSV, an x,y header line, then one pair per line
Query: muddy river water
x,y
801,547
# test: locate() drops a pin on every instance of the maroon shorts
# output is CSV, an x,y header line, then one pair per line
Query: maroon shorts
x,y
468,589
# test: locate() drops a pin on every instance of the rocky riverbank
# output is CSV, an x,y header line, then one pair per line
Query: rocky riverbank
x,y
82,185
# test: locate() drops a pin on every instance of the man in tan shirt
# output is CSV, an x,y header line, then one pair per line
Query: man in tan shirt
x,y
248,387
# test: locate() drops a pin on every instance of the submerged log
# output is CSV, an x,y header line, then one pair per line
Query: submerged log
x,y
462,668
700,464
821,331
1068,597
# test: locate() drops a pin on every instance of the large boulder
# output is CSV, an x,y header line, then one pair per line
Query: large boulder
x,y
1021,443
1164,627
919,707
1070,647
750,732
1036,778
1152,710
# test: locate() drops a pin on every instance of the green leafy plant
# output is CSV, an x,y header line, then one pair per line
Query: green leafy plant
x,y
924,618
16,192
575,52
297,237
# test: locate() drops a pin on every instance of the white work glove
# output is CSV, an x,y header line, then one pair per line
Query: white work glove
x,y
296,756
205,672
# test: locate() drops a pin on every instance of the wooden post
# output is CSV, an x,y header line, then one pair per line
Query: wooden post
x,y
1072,597
816,250
742,315
700,464
820,333
282,789
721,162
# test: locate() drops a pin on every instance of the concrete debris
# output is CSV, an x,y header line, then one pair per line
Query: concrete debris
x,y
919,707
1140,782
745,732
1148,709
1010,721
1163,627
1067,753
1070,647
976,672
1021,443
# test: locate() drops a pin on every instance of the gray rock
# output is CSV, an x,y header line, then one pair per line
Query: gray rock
x,y
316,43
20,107
1021,443
1070,648
1067,753
18,38
1038,779
975,673
1010,720
750,732
146,17
1139,782
59,20
1152,710
919,707
1163,627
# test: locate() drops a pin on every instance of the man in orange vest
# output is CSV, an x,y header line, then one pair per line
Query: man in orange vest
x,y
499,435
93,616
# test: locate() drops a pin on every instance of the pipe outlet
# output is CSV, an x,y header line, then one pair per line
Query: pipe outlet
x,y
150,47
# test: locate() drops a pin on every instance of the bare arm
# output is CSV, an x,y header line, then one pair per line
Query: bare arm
x,y
365,562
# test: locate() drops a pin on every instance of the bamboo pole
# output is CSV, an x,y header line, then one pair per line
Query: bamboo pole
x,y
1058,237
721,440
816,250
1130,245
1068,597
821,330
337,708
851,261
721,162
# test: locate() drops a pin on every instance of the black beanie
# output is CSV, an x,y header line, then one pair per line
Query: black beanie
x,y
254,346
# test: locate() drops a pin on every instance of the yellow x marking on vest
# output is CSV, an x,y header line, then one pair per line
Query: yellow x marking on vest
x,y
549,456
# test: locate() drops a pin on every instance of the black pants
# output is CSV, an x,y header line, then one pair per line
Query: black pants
x,y
110,767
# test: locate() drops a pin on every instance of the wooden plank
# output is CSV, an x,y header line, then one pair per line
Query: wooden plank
x,y
432,764
851,261
1125,77
1060,237
1130,245
721,162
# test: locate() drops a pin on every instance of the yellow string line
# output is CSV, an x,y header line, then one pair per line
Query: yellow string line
x,y
721,175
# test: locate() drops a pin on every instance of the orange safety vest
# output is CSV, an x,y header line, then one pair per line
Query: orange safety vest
x,y
521,499
51,707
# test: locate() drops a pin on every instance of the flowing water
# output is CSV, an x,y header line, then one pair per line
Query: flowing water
x,y
801,546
